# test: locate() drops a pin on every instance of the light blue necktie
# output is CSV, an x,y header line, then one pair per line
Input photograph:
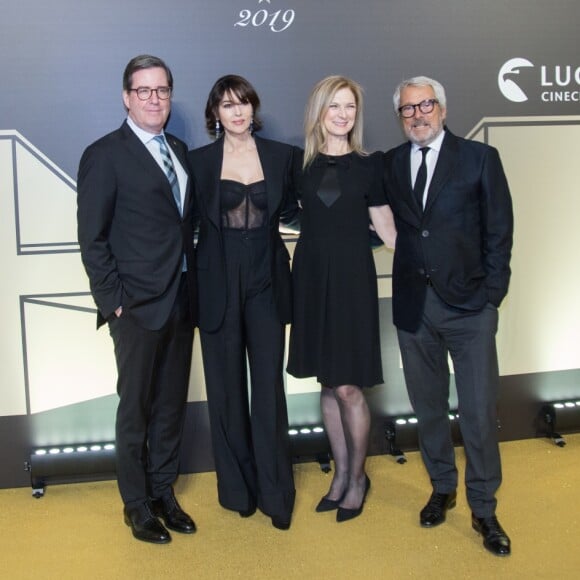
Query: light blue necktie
x,y
169,169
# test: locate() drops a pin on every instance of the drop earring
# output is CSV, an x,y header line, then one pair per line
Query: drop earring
x,y
218,128
252,126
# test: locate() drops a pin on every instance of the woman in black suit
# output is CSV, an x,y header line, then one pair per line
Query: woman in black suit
x,y
243,189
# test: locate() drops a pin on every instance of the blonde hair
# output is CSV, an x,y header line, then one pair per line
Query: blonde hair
x,y
315,134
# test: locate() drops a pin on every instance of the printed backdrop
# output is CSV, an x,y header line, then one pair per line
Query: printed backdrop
x,y
512,74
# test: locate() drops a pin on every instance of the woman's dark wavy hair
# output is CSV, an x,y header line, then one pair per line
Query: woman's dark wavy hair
x,y
240,88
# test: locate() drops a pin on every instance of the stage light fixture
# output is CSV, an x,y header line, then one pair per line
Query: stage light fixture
x,y
70,464
401,432
310,440
391,437
306,430
561,415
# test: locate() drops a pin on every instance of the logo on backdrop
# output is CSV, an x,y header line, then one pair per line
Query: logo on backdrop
x,y
520,80
266,17
507,85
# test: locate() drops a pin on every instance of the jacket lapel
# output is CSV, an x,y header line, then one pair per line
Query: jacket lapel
x,y
210,180
136,148
272,175
212,167
444,169
402,177
180,154
139,151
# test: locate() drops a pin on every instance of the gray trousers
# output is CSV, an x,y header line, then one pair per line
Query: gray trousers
x,y
469,338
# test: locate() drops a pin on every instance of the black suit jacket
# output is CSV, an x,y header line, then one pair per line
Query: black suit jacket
x,y
131,234
277,161
462,240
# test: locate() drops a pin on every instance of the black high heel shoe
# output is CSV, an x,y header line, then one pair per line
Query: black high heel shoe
x,y
345,514
327,505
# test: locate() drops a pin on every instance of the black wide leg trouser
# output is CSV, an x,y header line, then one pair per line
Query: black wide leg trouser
x,y
249,429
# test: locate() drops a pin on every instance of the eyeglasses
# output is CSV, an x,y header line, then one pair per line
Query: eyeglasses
x,y
144,93
407,111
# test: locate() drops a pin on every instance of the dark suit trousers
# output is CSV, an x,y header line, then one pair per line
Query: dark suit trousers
x,y
249,433
469,338
153,377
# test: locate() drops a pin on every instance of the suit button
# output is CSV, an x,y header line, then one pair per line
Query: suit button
x,y
425,233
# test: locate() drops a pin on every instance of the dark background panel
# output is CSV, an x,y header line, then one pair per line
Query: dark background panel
x,y
62,82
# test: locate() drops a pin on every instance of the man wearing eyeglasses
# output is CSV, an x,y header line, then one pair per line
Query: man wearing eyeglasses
x,y
451,271
136,238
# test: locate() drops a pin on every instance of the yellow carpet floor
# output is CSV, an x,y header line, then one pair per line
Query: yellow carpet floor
x,y
76,531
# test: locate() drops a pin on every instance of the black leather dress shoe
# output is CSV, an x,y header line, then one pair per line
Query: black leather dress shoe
x,y
281,523
173,516
494,537
145,526
435,511
345,514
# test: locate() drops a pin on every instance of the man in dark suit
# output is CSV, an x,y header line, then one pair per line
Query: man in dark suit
x,y
135,230
451,271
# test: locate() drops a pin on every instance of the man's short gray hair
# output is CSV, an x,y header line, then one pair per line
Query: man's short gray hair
x,y
420,82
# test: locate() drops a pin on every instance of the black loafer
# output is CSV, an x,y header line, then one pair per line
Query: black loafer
x,y
172,515
145,526
435,511
494,537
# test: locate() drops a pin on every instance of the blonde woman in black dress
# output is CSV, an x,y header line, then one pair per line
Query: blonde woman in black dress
x,y
335,332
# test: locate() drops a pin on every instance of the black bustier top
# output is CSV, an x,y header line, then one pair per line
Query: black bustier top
x,y
243,207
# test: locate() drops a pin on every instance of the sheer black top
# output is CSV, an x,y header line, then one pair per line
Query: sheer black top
x,y
243,207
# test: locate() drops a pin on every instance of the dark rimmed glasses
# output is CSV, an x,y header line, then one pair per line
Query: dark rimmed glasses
x,y
426,106
144,93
